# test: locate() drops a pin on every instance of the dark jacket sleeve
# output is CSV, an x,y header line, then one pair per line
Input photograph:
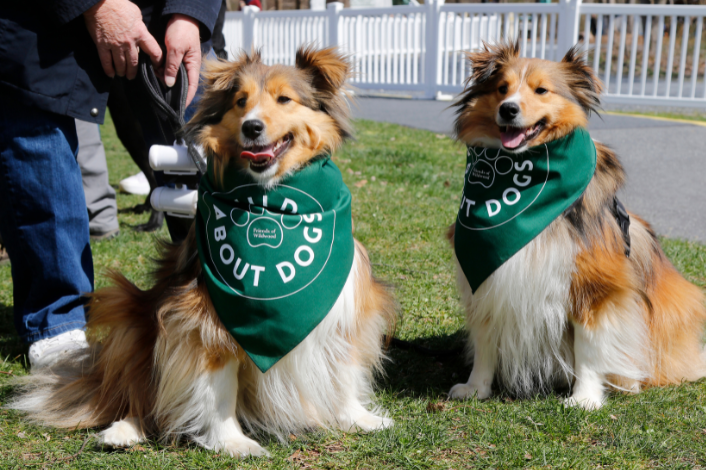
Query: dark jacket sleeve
x,y
67,10
203,11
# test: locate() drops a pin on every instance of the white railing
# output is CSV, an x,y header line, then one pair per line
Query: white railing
x,y
387,46
233,31
463,27
421,49
647,54
278,34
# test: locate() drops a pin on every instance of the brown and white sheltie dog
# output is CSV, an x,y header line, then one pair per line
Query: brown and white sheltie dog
x,y
160,361
570,308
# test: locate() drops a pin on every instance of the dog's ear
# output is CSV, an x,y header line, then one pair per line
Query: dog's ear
x,y
486,63
220,75
327,68
583,83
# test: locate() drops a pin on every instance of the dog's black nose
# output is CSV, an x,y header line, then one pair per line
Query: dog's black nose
x,y
508,111
253,128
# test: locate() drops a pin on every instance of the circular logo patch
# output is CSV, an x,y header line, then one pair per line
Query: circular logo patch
x,y
267,246
499,187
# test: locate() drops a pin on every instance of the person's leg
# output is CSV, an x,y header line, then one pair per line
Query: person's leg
x,y
100,196
4,258
44,222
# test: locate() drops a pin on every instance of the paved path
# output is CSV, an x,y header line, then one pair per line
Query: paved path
x,y
665,161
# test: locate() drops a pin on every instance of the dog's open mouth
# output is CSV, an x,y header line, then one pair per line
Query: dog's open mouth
x,y
515,137
263,157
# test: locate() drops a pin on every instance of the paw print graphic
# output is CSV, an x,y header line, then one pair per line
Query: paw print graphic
x,y
485,167
264,228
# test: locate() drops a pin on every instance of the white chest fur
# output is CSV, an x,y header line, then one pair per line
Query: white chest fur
x,y
519,314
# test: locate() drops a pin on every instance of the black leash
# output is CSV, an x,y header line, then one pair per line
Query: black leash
x,y
169,105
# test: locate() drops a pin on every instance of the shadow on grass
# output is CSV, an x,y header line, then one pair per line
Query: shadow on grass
x,y
12,349
414,374
11,346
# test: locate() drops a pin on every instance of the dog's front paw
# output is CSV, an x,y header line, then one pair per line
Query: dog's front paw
x,y
369,422
464,391
242,447
587,402
123,433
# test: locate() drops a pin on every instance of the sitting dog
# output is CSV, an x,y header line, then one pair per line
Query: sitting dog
x,y
268,314
561,286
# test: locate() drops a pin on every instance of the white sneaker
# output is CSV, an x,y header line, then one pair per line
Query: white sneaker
x,y
135,184
46,352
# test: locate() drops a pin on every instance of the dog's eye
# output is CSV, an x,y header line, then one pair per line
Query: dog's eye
x,y
541,91
284,99
503,89
241,102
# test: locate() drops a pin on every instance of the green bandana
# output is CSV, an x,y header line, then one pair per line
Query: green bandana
x,y
509,199
275,261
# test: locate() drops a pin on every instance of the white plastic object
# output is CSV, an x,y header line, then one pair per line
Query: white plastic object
x,y
135,184
179,202
172,159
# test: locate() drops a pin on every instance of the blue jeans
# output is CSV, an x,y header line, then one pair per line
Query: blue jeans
x,y
43,221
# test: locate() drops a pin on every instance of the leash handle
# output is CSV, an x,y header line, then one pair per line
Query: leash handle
x,y
169,104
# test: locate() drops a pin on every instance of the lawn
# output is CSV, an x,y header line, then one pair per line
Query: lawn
x,y
694,116
406,186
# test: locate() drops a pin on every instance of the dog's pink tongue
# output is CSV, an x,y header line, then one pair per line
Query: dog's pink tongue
x,y
258,155
512,137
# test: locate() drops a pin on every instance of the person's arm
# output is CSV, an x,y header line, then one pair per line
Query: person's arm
x,y
203,11
117,28
68,10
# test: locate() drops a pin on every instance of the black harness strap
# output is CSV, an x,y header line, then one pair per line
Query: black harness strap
x,y
623,218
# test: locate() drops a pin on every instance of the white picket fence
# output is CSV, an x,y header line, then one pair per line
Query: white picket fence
x,y
640,65
420,49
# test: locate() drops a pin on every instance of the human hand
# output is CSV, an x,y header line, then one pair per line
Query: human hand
x,y
183,45
117,28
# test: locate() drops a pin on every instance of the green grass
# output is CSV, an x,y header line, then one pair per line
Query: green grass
x,y
695,116
411,191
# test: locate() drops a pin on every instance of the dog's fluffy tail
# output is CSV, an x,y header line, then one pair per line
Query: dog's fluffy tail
x,y
676,311
677,328
112,379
